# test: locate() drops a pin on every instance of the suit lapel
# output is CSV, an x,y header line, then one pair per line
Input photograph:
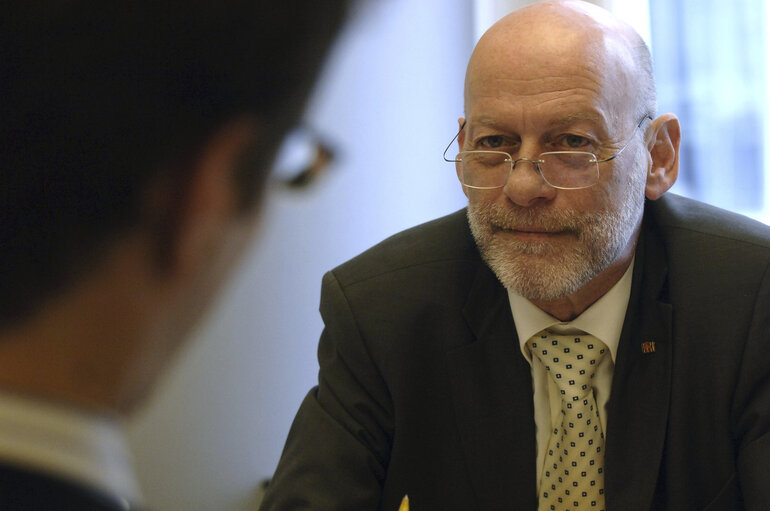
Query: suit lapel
x,y
492,393
638,408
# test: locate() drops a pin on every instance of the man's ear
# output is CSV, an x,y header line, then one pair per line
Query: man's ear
x,y
664,136
460,142
206,204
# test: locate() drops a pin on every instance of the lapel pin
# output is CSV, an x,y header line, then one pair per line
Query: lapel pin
x,y
648,347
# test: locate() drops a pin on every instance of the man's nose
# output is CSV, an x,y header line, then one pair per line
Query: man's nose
x,y
525,185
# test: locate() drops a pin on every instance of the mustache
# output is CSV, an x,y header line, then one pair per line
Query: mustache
x,y
533,218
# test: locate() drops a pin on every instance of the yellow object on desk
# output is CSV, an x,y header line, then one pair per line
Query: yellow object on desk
x,y
404,504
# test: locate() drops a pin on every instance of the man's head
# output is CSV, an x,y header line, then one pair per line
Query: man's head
x,y
564,76
136,139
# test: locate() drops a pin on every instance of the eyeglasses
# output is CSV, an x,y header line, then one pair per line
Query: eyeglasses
x,y
565,170
302,157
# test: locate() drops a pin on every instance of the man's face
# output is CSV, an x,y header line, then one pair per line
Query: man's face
x,y
564,95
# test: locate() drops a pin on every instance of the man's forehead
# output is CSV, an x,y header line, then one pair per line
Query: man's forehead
x,y
570,94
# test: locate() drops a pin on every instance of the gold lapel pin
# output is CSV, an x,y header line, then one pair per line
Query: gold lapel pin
x,y
648,347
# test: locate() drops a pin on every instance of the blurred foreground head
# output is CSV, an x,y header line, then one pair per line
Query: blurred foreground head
x,y
136,139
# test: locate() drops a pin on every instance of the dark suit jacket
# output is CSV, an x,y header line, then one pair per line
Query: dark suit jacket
x,y
26,490
423,389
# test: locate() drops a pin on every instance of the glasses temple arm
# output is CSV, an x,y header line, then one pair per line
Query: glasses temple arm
x,y
443,155
627,143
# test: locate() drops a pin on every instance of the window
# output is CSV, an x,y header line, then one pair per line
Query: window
x,y
711,65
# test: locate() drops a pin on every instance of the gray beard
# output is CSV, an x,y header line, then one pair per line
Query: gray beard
x,y
541,271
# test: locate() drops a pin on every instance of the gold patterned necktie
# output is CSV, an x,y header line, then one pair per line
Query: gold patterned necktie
x,y
573,473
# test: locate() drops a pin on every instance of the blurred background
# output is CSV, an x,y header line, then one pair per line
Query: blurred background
x,y
384,109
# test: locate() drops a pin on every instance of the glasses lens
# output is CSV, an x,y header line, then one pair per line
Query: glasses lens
x,y
484,169
570,169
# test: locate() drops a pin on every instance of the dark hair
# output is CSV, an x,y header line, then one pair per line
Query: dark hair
x,y
97,98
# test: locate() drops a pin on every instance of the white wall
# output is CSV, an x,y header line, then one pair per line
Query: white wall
x,y
389,102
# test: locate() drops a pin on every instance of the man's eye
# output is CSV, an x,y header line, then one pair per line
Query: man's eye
x,y
574,141
492,142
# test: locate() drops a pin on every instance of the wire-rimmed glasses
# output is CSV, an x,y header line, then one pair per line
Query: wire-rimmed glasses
x,y
565,170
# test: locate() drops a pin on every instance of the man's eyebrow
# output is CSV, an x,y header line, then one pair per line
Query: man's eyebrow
x,y
566,120
485,121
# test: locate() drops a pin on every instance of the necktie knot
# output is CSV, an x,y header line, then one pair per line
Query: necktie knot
x,y
571,360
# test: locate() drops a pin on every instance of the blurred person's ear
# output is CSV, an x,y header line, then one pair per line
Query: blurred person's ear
x,y
210,203
663,143
191,211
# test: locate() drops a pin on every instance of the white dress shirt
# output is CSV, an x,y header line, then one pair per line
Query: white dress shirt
x,y
63,442
603,320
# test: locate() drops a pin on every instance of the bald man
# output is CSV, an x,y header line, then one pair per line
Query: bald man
x,y
575,339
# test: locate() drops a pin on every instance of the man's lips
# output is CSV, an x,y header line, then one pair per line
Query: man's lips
x,y
531,229
534,233
536,230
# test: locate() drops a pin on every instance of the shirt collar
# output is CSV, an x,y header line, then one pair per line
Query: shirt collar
x,y
68,443
603,319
